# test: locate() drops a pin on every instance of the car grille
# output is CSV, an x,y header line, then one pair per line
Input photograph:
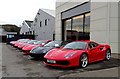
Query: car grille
x,y
58,62
20,48
25,50
62,62
37,55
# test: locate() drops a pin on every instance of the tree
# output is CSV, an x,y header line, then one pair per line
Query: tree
x,y
10,28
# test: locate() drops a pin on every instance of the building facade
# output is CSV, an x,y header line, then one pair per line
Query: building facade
x,y
25,28
43,26
88,20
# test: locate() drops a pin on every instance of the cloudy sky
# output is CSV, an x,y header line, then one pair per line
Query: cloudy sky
x,y
16,11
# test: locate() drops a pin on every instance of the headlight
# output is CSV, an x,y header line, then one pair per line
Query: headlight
x,y
31,51
70,55
44,51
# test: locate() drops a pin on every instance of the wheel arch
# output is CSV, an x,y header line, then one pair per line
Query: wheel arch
x,y
106,57
85,53
109,49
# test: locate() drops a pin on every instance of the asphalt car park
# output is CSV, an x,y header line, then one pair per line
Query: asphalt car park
x,y
17,64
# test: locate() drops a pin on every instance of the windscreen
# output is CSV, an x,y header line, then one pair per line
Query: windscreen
x,y
32,42
40,43
75,45
53,44
25,41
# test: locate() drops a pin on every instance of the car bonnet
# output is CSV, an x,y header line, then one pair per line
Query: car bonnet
x,y
41,50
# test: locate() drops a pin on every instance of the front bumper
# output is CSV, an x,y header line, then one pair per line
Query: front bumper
x,y
37,55
64,63
15,46
20,48
26,51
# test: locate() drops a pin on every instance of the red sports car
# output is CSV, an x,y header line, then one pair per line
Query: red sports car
x,y
16,44
13,42
78,53
26,49
22,44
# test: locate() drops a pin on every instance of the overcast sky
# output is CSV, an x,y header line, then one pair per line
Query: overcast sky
x,y
16,11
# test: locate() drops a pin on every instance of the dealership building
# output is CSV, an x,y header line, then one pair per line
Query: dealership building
x,y
88,20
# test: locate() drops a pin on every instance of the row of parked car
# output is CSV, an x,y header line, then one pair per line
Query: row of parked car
x,y
62,53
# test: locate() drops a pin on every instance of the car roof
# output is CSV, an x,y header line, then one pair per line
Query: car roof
x,y
83,41
44,40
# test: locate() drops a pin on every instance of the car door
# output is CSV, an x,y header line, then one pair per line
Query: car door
x,y
93,51
101,52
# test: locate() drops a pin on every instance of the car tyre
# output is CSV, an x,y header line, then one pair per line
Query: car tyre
x,y
83,60
108,55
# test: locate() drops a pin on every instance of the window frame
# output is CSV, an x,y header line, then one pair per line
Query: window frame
x,y
64,35
91,43
46,22
40,23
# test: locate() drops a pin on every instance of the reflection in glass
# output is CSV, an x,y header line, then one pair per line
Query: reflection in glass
x,y
77,28
87,27
87,22
68,32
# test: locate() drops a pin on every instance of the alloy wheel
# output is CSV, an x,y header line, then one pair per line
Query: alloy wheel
x,y
108,55
84,60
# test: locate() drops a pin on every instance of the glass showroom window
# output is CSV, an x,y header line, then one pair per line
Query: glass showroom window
x,y
87,22
68,30
87,27
77,28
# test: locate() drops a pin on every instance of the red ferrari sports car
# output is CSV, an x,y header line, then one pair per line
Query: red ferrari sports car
x,y
20,42
21,45
26,49
78,53
13,42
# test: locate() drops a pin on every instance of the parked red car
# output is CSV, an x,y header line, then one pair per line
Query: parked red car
x,y
26,49
13,42
16,44
78,53
21,45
